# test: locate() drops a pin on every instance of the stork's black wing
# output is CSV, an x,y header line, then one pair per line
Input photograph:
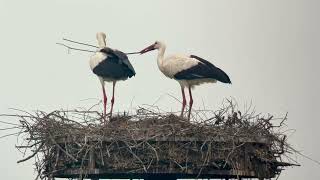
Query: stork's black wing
x,y
125,60
116,65
204,69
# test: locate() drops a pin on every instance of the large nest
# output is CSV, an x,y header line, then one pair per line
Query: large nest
x,y
74,143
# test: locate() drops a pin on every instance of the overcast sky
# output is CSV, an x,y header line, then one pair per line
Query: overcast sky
x,y
269,48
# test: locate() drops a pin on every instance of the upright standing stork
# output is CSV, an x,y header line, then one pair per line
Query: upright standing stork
x,y
189,71
110,65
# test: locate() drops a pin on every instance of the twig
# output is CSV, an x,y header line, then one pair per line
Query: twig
x,y
85,50
7,135
52,139
138,52
8,122
32,155
79,43
133,53
15,127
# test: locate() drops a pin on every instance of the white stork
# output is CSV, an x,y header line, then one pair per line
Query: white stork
x,y
189,71
110,65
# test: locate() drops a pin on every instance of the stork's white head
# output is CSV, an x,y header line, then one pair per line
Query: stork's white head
x,y
101,37
157,45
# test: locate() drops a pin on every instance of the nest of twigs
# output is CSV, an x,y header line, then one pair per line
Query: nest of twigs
x,y
74,143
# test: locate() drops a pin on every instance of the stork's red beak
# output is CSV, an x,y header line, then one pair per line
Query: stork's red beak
x,y
147,49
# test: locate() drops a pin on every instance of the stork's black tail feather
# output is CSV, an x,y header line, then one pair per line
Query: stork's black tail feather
x,y
215,72
204,69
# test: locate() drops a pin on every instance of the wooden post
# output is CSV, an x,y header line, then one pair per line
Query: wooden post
x,y
92,161
170,149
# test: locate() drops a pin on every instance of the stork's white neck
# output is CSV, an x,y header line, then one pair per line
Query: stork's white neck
x,y
101,42
160,58
101,37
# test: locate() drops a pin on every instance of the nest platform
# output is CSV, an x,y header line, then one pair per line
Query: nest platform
x,y
150,145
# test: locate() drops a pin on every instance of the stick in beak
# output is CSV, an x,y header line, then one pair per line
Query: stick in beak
x,y
147,49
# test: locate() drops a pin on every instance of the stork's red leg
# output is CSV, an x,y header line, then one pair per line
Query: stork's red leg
x,y
184,102
112,100
104,101
190,103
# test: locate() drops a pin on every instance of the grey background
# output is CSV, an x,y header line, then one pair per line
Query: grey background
x,y
269,48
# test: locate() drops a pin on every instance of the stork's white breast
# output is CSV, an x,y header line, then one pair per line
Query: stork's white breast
x,y
96,59
176,63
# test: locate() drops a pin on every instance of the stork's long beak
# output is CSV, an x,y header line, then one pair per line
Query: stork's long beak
x,y
147,49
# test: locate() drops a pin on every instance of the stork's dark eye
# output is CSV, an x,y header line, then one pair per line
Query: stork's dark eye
x,y
156,42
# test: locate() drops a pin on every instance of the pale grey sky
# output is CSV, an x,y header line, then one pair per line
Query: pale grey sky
x,y
269,48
